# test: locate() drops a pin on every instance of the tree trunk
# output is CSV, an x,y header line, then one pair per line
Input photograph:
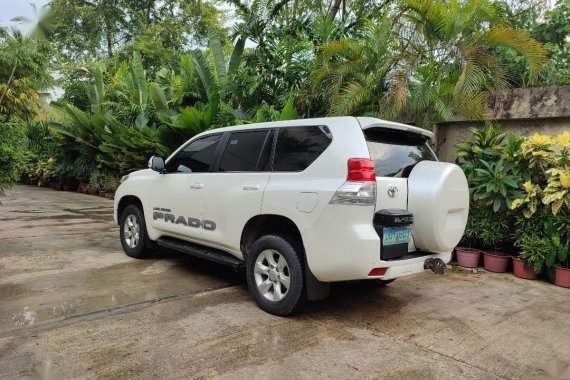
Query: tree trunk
x,y
8,83
334,9
106,8
109,43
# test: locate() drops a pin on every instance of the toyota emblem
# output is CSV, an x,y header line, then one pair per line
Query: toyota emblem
x,y
392,191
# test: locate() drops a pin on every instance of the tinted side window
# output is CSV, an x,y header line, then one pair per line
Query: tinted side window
x,y
395,153
242,151
298,147
196,157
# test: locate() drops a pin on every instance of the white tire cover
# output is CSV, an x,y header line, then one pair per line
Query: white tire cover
x,y
438,196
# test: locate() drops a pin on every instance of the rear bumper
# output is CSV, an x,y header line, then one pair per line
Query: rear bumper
x,y
401,268
344,251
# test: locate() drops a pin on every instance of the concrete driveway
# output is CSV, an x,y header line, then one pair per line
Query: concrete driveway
x,y
72,305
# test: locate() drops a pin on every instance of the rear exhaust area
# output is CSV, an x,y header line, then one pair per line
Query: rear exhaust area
x,y
437,266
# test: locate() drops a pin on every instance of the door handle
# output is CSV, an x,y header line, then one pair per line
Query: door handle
x,y
197,186
251,187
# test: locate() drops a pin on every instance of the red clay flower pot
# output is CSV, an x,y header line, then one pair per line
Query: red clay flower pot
x,y
82,188
522,270
494,261
562,277
468,257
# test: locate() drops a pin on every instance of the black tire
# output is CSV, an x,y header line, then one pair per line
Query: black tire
x,y
138,248
293,297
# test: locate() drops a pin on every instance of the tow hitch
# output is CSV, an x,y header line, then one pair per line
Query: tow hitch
x,y
437,266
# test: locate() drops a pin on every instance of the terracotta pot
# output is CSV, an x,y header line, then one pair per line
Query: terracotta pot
x,y
562,277
101,193
468,257
110,195
522,270
91,191
82,188
494,261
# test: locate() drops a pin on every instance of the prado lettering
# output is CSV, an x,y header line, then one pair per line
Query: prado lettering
x,y
190,222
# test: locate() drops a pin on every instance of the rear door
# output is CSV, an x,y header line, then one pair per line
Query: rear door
x,y
235,190
395,153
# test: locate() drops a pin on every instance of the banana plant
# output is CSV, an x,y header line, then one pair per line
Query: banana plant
x,y
96,89
217,80
130,92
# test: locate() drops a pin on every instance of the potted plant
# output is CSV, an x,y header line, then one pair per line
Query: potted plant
x,y
532,258
492,183
81,171
494,229
96,183
467,256
557,196
110,184
558,237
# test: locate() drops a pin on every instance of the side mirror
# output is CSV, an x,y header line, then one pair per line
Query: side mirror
x,y
157,164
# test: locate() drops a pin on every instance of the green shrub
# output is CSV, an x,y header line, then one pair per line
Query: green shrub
x,y
12,146
526,182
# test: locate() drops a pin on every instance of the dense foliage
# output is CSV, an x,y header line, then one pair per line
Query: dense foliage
x,y
136,78
12,144
521,182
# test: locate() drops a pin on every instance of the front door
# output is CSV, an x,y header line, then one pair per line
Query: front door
x,y
177,197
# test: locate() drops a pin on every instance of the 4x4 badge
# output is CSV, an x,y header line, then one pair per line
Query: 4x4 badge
x,y
392,191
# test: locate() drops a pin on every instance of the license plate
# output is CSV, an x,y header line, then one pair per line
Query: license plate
x,y
396,235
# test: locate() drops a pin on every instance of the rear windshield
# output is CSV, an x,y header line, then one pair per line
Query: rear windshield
x,y
395,153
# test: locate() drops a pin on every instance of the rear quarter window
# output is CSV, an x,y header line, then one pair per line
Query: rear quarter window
x,y
395,153
299,147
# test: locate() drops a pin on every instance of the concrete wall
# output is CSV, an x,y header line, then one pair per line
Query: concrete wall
x,y
523,111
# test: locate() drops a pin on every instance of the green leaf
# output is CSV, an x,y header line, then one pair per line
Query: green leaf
x,y
138,76
236,56
204,73
496,204
219,60
288,112
158,97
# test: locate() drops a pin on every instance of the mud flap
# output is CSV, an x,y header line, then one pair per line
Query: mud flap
x,y
316,290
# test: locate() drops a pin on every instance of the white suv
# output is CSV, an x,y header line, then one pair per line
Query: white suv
x,y
300,204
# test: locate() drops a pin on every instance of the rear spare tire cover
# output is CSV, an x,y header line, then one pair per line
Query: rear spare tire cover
x,y
438,196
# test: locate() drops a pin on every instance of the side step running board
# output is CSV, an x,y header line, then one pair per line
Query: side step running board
x,y
207,253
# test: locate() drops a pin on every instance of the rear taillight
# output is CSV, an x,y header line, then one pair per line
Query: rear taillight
x,y
361,170
360,186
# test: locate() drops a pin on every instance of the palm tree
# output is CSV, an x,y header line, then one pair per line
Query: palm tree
x,y
39,33
350,74
437,59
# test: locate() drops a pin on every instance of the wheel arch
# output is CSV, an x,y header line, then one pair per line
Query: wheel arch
x,y
126,201
272,224
268,224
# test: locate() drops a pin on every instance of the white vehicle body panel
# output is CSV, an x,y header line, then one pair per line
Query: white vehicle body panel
x,y
181,195
230,200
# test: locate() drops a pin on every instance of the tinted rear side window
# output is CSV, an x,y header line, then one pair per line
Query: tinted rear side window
x,y
395,153
243,151
298,147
